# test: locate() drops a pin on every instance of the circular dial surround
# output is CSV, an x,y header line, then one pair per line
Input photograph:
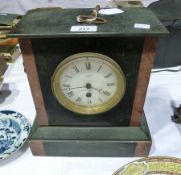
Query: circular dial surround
x,y
88,83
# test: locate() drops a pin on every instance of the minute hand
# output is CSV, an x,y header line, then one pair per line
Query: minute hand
x,y
75,88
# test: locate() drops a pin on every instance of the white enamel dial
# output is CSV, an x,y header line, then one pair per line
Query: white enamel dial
x,y
88,83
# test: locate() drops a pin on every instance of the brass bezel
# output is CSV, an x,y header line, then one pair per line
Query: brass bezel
x,y
83,109
1,78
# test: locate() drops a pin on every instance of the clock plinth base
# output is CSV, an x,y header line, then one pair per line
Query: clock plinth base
x,y
91,141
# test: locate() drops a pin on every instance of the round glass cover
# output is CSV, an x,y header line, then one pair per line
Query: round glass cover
x,y
88,83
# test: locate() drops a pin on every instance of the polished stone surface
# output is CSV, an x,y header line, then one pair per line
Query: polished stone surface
x,y
57,22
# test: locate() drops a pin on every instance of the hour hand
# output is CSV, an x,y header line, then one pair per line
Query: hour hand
x,y
101,91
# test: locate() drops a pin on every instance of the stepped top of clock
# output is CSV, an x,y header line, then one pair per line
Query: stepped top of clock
x,y
57,22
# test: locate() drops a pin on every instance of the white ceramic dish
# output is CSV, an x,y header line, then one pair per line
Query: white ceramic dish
x,y
14,131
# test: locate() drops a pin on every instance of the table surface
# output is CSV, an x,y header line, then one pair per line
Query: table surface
x,y
164,90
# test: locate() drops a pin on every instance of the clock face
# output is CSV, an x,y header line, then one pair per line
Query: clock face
x,y
88,83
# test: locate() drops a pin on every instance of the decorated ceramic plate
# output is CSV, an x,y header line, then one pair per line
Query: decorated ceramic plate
x,y
14,131
153,166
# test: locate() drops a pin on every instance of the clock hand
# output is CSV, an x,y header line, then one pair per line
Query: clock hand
x,y
101,91
75,88
78,87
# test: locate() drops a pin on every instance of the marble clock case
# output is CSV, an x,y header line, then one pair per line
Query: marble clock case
x,y
45,40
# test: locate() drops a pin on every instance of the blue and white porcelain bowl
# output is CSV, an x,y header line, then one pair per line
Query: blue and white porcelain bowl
x,y
14,131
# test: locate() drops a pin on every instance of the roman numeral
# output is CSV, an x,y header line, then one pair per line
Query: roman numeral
x,y
78,99
76,69
89,101
68,76
106,93
110,84
66,85
99,68
108,75
100,99
88,65
66,89
70,94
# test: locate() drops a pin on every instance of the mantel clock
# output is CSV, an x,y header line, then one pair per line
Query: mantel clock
x,y
88,85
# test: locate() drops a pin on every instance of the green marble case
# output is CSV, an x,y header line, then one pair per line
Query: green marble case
x,y
46,39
